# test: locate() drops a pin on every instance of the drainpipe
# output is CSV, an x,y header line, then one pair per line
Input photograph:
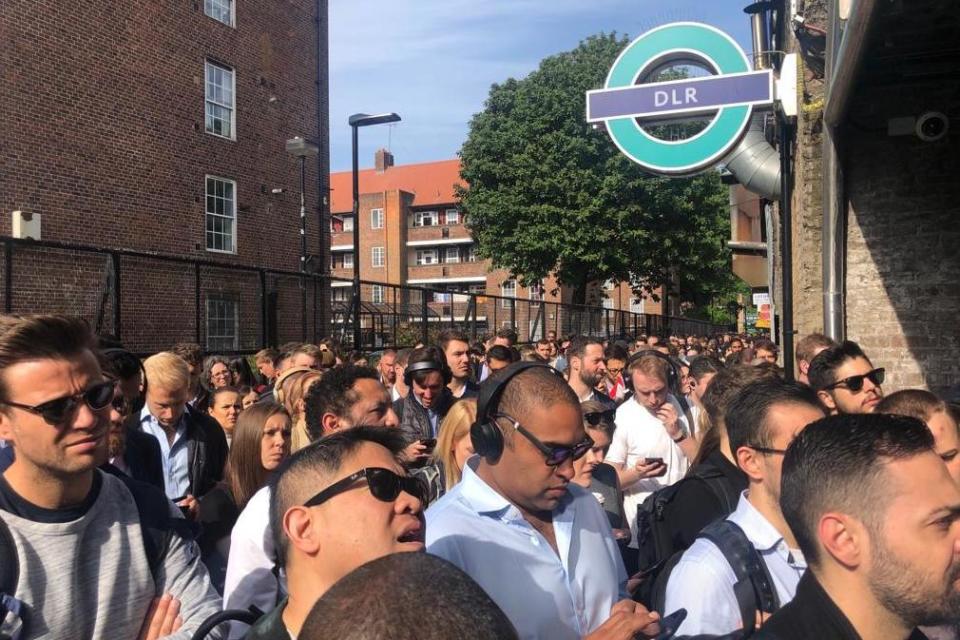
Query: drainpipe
x,y
754,162
844,56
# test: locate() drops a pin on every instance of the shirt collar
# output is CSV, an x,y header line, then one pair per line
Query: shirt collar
x,y
759,531
481,496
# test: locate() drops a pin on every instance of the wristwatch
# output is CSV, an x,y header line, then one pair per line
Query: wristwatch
x,y
683,436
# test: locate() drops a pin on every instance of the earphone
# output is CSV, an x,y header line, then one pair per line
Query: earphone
x,y
434,363
673,371
485,435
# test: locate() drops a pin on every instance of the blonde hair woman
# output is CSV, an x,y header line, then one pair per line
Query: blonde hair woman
x,y
452,450
290,390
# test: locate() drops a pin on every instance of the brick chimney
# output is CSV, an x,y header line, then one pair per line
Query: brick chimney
x,y
383,160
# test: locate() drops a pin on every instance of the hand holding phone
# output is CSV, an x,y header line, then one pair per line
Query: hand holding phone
x,y
429,444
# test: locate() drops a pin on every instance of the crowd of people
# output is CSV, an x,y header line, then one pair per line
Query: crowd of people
x,y
648,487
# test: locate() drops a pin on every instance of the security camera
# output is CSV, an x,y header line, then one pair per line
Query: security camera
x,y
932,126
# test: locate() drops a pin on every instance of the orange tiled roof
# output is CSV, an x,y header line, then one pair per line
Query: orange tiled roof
x,y
431,182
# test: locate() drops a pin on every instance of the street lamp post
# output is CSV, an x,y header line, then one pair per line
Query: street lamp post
x,y
356,121
303,148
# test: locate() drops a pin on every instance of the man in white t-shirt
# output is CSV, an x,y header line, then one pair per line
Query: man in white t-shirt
x,y
652,445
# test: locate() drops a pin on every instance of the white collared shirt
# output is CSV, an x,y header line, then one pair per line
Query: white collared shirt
x,y
702,582
640,434
545,595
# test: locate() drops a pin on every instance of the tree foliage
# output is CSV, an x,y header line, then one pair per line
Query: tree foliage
x,y
549,193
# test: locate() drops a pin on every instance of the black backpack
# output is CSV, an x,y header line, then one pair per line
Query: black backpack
x,y
655,534
157,527
754,588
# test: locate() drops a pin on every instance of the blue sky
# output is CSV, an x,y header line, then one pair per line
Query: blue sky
x,y
433,61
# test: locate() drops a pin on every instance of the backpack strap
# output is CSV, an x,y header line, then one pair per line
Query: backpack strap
x,y
754,586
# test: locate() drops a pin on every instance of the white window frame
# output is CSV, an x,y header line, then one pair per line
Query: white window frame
x,y
229,322
218,102
423,254
376,294
378,256
348,223
456,216
472,253
451,251
419,216
535,293
508,289
338,294
212,215
376,218
211,6
348,264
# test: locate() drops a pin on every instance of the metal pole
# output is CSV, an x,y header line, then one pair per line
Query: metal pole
x,y
356,241
196,299
786,249
303,248
115,258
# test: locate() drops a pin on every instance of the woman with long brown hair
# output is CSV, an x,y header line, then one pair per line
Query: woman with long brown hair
x,y
261,441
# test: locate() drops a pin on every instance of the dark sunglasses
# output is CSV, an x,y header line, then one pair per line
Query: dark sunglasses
x,y
555,455
855,383
594,418
385,485
59,410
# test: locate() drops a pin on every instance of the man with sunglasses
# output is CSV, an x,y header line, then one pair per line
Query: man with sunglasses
x,y
78,534
335,505
845,380
540,546
761,421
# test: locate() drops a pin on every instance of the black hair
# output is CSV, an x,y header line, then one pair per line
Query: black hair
x,y
836,464
119,363
578,346
616,352
298,475
500,352
746,414
703,365
428,354
383,598
449,335
823,368
333,393
240,367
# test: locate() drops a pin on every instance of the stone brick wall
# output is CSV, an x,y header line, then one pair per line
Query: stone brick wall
x,y
102,132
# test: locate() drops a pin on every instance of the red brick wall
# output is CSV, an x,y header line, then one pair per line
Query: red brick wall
x,y
102,132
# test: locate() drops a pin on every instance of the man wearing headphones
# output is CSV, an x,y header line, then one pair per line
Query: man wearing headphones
x,y
421,412
653,444
540,546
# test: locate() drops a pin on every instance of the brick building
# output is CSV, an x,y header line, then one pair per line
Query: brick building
x,y
160,128
875,201
412,233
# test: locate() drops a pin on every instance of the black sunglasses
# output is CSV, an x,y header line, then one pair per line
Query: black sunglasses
x,y
59,410
855,383
555,455
594,418
385,485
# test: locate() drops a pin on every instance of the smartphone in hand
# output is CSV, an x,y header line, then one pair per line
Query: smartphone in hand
x,y
429,443
658,461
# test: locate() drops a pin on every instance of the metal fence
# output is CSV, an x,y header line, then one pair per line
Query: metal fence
x,y
152,301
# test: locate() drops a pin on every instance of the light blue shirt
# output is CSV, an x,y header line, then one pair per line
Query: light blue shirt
x,y
702,582
175,457
545,595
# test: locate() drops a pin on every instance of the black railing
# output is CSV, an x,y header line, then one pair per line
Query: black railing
x,y
151,301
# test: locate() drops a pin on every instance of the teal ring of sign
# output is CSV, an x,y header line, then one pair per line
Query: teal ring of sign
x,y
695,154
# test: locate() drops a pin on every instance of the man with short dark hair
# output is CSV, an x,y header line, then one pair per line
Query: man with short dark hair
x,y
345,397
320,498
391,589
539,545
544,350
425,407
506,336
877,518
845,379
87,543
761,422
192,354
615,360
807,349
733,350
456,350
586,369
498,357
766,351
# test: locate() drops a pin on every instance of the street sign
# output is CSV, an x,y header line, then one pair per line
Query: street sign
x,y
732,93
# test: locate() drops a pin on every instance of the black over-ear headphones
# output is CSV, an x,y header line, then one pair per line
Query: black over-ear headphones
x,y
673,371
141,400
485,435
434,363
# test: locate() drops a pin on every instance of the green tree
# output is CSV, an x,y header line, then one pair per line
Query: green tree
x,y
549,193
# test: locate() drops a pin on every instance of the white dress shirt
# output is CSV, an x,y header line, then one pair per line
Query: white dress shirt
x,y
702,582
640,434
250,578
545,595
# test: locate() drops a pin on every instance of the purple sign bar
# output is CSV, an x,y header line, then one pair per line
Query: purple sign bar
x,y
681,96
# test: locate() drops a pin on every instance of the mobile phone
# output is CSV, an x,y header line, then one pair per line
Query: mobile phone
x,y
652,460
429,443
669,624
